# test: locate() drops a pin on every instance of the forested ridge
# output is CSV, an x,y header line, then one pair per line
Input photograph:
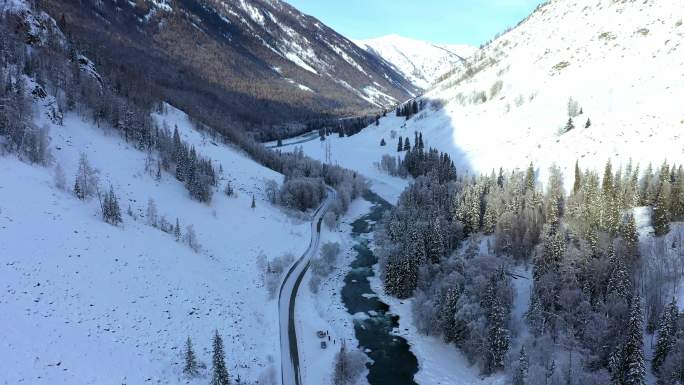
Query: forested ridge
x,y
457,244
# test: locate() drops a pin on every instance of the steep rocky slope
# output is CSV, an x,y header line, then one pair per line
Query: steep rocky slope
x,y
257,62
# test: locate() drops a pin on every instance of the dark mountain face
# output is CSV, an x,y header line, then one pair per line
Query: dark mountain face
x,y
257,63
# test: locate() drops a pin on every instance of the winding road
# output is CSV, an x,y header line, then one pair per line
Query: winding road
x,y
289,354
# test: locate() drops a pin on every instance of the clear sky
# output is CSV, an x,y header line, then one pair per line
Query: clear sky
x,y
439,21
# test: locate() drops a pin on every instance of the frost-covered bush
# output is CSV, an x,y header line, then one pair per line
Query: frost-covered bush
x,y
324,265
302,193
273,271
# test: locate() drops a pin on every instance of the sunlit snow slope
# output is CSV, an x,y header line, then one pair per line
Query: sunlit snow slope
x,y
419,61
83,302
622,62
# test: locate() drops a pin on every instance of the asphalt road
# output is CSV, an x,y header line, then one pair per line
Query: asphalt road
x,y
289,353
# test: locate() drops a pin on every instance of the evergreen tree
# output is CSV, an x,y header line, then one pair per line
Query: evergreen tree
x,y
111,212
253,202
77,190
630,237
407,145
588,123
633,369
520,376
219,374
421,145
529,178
578,179
570,125
667,335
619,282
400,146
498,336
660,217
177,231
191,368
382,142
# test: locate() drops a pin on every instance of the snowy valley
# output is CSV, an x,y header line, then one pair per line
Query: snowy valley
x,y
513,214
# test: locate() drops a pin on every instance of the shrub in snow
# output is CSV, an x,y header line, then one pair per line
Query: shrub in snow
x,y
87,179
322,266
191,238
59,177
573,108
349,365
495,89
330,220
152,218
228,190
271,190
273,271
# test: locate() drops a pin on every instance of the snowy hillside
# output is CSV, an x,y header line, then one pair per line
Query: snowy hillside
x,y
419,61
510,104
128,296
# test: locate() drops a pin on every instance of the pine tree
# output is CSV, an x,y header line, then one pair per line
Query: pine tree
x,y
633,369
177,231
520,376
619,281
253,202
570,125
421,145
191,368
400,146
77,190
630,237
660,217
382,142
529,178
588,123
407,145
219,373
111,212
577,186
667,335
498,337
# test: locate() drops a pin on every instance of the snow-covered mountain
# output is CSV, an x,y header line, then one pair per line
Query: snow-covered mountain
x,y
262,62
510,103
419,61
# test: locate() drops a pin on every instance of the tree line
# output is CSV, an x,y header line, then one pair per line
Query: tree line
x,y
454,245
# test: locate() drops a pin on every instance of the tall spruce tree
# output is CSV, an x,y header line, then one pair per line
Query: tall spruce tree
x,y
191,368
521,372
633,369
400,145
667,335
219,375
660,217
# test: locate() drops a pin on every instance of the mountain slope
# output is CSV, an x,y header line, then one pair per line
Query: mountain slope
x,y
258,62
419,61
509,104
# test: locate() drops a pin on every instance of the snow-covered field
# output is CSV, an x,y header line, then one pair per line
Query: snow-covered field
x,y
83,302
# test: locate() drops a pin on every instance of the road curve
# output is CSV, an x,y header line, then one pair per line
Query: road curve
x,y
289,354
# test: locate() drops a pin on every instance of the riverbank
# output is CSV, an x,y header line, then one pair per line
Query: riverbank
x,y
324,310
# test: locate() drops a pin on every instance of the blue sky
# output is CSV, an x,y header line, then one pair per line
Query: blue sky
x,y
439,21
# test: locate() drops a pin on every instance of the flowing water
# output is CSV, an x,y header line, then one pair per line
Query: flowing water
x,y
392,361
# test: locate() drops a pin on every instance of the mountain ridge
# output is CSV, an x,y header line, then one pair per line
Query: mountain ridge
x,y
420,61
